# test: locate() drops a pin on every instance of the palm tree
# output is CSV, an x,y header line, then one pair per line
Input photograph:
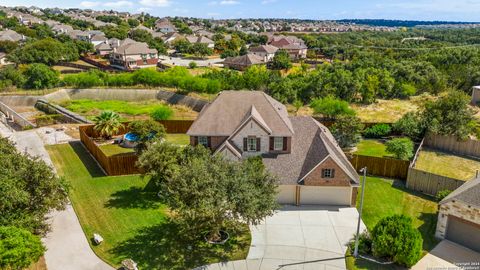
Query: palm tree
x,y
107,124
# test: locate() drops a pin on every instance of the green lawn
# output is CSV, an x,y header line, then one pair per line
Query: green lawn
x,y
133,222
373,148
130,110
385,197
180,139
448,165
115,149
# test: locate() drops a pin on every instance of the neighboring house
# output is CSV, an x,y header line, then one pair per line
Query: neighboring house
x,y
200,39
62,29
133,55
459,216
295,47
10,35
97,39
300,151
165,26
170,38
103,49
267,52
242,62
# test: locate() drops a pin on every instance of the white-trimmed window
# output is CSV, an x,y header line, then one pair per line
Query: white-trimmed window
x,y
278,143
203,140
252,144
328,173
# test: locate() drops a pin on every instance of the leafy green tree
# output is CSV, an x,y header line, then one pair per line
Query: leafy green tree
x,y
7,46
46,51
140,35
450,115
182,46
200,49
410,125
377,131
347,130
331,107
401,148
133,22
30,189
107,124
192,64
281,60
10,75
395,238
19,248
162,113
207,191
40,76
146,130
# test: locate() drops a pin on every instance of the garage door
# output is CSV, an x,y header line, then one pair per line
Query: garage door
x,y
464,233
325,195
286,194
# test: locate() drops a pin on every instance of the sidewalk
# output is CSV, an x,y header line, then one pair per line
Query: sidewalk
x,y
67,246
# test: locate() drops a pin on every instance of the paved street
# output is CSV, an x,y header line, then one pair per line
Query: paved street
x,y
307,237
177,61
67,247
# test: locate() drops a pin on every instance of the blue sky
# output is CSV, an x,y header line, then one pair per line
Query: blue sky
x,y
450,10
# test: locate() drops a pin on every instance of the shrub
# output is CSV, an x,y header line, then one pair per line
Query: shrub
x,y
146,130
331,107
162,113
377,131
364,243
19,248
395,238
401,148
346,130
40,76
192,65
442,194
107,124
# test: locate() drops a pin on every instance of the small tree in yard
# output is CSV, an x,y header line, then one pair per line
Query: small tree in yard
x,y
40,76
107,124
281,60
331,107
146,130
192,64
395,238
347,130
18,248
162,113
401,148
208,192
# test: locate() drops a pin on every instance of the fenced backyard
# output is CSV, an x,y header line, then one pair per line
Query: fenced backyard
x,y
123,163
381,166
428,182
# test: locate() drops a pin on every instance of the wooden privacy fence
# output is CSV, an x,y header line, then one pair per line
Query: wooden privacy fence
x,y
430,183
382,166
112,165
451,144
122,164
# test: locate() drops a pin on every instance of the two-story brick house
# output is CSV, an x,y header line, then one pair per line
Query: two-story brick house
x,y
312,169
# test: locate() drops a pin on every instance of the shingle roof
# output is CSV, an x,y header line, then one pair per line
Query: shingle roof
x,y
311,144
244,60
264,48
468,193
135,48
230,108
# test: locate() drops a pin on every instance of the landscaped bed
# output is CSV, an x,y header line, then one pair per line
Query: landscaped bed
x,y
373,148
129,110
385,197
133,222
447,164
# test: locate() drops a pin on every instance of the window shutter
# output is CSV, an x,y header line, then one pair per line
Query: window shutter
x,y
195,140
258,144
333,173
244,144
323,173
285,143
271,143
209,142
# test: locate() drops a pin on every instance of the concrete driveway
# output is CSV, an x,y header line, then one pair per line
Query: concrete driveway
x,y
307,237
448,255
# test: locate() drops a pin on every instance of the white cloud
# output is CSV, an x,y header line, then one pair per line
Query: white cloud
x,y
229,2
155,3
117,4
265,2
89,4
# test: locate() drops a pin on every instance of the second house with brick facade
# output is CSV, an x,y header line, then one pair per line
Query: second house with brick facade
x,y
300,151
